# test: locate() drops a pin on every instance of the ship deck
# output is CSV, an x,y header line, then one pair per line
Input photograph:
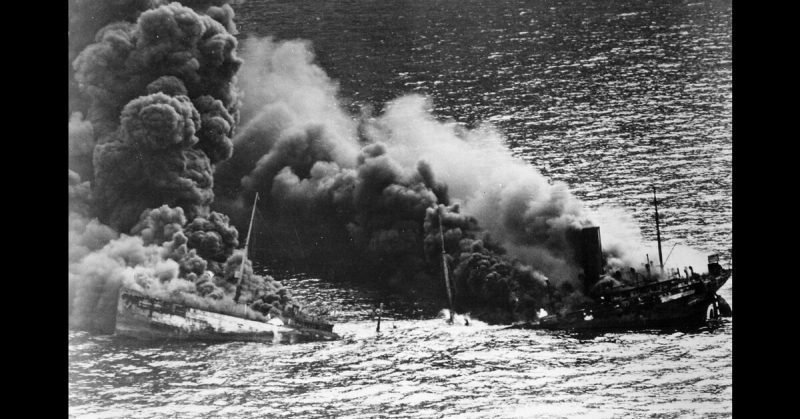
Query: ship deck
x,y
143,317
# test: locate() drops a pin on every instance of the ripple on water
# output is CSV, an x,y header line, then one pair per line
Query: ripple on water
x,y
607,97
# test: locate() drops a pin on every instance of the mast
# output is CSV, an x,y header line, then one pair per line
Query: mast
x,y
380,313
239,275
444,269
658,230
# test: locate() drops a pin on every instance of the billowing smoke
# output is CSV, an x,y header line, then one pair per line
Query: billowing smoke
x,y
162,106
156,260
153,108
509,198
625,247
355,196
159,132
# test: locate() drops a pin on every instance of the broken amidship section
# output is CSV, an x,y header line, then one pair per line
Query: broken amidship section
x,y
148,317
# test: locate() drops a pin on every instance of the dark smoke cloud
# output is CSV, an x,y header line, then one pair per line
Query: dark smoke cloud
x,y
352,195
159,131
153,162
130,180
213,237
153,108
86,18
169,49
219,10
163,152
158,122
159,225
509,198
170,40
217,126
496,287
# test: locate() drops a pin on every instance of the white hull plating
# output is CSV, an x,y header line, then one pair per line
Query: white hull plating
x,y
143,317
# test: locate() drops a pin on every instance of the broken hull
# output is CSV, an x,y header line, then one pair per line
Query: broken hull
x,y
146,318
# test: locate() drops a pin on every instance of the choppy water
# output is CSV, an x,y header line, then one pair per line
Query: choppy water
x,y
413,368
607,96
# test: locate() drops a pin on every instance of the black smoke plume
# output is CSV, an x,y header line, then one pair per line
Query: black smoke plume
x,y
153,107
353,196
160,134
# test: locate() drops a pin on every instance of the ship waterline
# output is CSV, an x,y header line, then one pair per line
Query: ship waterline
x,y
144,317
676,307
646,300
147,317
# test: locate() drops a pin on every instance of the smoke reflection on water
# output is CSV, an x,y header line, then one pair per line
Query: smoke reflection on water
x,y
412,368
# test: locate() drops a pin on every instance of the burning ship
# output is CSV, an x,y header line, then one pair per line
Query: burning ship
x,y
633,300
148,317
145,317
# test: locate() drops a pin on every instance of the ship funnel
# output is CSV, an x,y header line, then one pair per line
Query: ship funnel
x,y
714,268
589,254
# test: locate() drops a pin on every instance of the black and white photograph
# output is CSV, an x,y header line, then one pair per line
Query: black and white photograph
x,y
400,209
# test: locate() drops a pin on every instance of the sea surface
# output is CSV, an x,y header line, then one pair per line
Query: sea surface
x,y
607,96
415,367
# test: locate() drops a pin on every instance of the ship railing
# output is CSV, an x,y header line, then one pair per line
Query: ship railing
x,y
650,291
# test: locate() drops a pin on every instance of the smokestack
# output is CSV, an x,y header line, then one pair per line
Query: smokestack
x,y
591,255
714,268
549,295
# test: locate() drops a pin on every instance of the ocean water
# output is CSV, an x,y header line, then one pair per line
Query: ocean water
x,y
417,366
607,96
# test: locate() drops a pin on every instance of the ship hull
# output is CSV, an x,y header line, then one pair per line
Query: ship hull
x,y
683,308
678,313
147,318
